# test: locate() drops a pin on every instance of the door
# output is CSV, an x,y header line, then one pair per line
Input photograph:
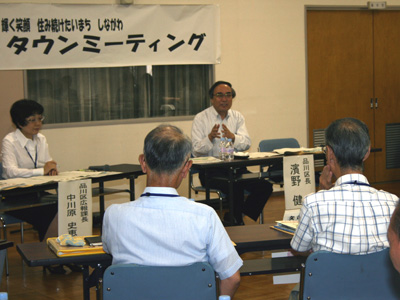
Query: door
x,y
340,70
387,94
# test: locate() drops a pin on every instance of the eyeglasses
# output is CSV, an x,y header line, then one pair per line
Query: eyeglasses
x,y
34,120
221,95
324,148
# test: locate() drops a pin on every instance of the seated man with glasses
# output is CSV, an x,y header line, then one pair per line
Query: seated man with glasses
x,y
209,126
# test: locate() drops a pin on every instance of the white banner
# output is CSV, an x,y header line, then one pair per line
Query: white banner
x,y
299,180
75,215
44,36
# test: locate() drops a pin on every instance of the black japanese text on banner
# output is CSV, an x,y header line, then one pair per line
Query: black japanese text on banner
x,y
39,36
75,215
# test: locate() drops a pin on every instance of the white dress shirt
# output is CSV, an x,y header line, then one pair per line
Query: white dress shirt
x,y
15,158
204,122
168,230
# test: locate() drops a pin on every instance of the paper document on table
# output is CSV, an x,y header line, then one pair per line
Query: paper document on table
x,y
63,251
62,176
205,160
11,183
88,173
301,149
262,154
286,226
291,214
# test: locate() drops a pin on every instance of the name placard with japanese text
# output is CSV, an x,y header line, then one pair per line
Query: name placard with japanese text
x,y
75,215
299,179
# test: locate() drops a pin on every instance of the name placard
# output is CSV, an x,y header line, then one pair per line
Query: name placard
x,y
299,181
75,215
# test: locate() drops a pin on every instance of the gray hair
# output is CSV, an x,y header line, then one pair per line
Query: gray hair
x,y
166,148
349,140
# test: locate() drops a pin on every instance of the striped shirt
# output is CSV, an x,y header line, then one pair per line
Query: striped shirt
x,y
350,218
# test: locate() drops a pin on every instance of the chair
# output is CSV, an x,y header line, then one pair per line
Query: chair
x,y
9,220
131,281
330,275
6,220
275,172
4,244
198,188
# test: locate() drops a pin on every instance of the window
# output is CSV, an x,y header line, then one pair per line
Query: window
x,y
97,94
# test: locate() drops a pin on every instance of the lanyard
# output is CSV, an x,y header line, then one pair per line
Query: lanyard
x,y
356,183
158,195
34,161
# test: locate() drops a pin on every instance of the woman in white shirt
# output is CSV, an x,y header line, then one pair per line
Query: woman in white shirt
x,y
25,153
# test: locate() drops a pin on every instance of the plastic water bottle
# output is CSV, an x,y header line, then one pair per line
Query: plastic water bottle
x,y
222,149
224,297
229,150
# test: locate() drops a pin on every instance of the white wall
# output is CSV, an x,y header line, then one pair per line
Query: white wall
x,y
263,56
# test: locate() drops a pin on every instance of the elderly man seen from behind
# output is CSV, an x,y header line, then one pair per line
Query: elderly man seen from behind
x,y
162,228
348,216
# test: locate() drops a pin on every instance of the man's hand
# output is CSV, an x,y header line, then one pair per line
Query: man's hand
x,y
214,132
50,168
227,133
325,180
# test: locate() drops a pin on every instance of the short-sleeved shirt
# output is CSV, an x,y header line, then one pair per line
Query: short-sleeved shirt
x,y
168,230
350,218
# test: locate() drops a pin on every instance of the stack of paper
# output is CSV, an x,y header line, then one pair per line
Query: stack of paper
x,y
286,226
63,251
262,154
62,176
299,150
205,160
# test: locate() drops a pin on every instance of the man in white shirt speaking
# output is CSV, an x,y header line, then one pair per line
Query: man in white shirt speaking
x,y
209,126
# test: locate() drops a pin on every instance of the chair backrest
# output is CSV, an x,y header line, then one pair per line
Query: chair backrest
x,y
272,144
330,275
130,281
275,172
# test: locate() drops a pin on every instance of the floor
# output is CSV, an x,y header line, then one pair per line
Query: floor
x,y
32,283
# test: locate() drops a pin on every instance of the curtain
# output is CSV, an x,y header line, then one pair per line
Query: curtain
x,y
97,94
